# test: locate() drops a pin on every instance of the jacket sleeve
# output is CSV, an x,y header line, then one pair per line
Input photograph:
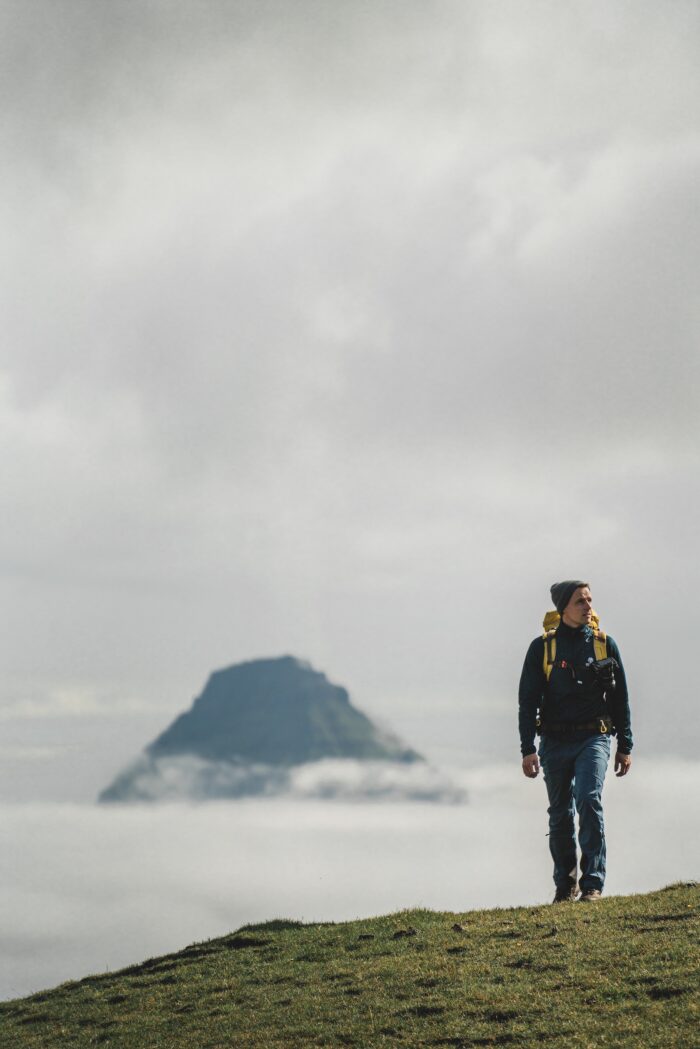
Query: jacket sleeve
x,y
618,701
530,693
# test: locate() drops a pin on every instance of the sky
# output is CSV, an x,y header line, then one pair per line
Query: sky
x,y
341,330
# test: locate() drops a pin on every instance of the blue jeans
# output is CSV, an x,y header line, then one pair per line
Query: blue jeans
x,y
574,771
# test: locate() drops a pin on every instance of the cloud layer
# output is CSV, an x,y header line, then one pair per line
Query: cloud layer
x,y
88,888
189,778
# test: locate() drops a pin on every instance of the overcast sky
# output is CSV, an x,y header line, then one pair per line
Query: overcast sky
x,y
342,330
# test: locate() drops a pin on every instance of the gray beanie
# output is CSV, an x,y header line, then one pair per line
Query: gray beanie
x,y
561,592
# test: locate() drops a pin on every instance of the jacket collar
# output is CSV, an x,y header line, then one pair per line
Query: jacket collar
x,y
574,632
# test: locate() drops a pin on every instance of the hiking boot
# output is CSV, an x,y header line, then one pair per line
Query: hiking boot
x,y
566,894
591,896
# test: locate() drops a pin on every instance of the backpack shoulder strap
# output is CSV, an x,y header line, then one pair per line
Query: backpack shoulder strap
x,y
600,644
550,652
600,638
550,624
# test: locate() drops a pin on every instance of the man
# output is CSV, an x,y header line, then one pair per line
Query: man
x,y
576,700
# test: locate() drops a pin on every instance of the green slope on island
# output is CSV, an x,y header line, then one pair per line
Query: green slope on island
x,y
622,973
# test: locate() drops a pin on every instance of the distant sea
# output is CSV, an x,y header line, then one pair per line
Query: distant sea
x,y
88,888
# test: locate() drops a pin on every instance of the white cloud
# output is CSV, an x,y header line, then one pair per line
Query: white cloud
x,y
187,777
91,888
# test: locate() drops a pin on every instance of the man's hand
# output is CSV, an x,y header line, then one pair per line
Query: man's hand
x,y
622,763
531,765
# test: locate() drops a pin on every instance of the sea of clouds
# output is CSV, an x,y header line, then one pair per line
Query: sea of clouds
x,y
89,888
186,777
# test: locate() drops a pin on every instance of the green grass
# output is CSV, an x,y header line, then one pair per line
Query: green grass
x,y
622,972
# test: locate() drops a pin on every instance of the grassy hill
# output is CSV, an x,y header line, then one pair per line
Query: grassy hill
x,y
623,973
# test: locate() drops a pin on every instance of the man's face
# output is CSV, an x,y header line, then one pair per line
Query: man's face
x,y
578,610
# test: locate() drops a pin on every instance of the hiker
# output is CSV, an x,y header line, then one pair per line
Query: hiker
x,y
574,694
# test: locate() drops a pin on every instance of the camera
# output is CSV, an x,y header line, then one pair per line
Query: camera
x,y
603,671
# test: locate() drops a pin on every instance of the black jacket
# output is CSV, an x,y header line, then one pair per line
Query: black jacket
x,y
572,696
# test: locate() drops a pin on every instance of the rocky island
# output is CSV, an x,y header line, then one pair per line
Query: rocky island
x,y
270,727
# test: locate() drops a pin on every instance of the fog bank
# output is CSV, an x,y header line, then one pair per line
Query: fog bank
x,y
90,888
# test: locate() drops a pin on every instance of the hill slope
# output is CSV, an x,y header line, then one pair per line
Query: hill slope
x,y
623,973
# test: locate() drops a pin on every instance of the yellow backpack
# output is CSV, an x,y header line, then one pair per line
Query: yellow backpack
x,y
551,622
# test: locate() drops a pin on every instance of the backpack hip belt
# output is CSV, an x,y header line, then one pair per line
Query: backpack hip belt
x,y
603,725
